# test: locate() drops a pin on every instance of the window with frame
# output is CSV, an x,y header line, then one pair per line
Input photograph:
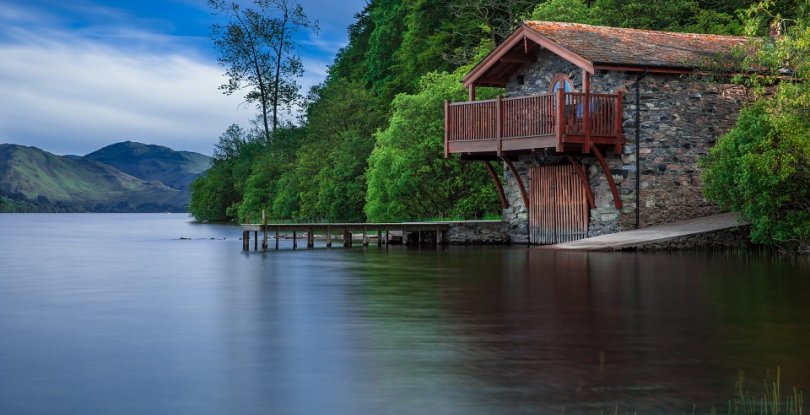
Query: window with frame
x,y
561,81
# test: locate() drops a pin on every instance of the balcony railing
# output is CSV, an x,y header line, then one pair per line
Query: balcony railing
x,y
560,120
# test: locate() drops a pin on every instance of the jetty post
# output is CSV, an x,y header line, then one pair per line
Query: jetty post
x,y
422,233
264,229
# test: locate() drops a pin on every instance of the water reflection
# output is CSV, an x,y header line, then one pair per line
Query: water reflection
x,y
146,323
534,330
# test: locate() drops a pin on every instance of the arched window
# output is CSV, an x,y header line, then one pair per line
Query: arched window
x,y
561,81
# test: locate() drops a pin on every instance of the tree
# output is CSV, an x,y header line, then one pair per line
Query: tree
x,y
761,168
257,48
218,194
408,178
497,18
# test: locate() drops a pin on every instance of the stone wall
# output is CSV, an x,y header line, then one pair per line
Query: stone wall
x,y
722,239
681,118
476,232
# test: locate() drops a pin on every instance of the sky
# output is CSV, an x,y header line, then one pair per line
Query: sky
x,y
77,75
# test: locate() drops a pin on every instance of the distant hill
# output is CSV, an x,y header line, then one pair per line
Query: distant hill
x,y
176,169
35,180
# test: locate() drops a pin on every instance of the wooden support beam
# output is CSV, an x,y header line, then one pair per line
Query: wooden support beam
x,y
584,179
387,238
560,127
246,240
447,126
519,181
438,236
365,237
379,238
471,91
617,201
328,236
498,185
255,240
276,239
310,238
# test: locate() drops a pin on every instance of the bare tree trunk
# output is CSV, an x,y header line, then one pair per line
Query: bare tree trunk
x,y
259,76
279,55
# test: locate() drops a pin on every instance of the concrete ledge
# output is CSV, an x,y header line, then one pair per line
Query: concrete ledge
x,y
653,234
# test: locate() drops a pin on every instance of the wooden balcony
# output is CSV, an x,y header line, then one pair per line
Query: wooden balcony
x,y
559,121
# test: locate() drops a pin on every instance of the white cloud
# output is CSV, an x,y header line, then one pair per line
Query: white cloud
x,y
76,96
72,91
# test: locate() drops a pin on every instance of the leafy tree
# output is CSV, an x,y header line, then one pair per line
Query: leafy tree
x,y
408,177
327,177
264,181
575,11
257,47
670,15
761,168
217,195
350,60
496,18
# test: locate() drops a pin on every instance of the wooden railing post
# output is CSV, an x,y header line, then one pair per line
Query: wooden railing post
x,y
499,123
560,118
586,112
618,120
446,128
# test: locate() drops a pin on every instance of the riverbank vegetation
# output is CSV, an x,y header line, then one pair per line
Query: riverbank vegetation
x,y
761,168
368,144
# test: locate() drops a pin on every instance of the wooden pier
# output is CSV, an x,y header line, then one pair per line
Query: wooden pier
x,y
421,233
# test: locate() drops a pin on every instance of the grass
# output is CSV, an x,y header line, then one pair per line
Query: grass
x,y
770,402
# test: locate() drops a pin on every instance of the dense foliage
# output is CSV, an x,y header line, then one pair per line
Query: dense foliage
x,y
369,144
408,178
761,169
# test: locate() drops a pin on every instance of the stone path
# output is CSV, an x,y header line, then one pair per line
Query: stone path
x,y
652,234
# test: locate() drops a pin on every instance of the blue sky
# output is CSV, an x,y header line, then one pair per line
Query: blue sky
x,y
76,75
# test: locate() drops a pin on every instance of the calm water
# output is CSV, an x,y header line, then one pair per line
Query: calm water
x,y
114,314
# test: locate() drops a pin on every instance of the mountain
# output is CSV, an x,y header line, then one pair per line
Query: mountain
x,y
35,180
176,169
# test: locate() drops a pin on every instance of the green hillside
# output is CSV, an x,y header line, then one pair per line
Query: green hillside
x,y
176,169
35,180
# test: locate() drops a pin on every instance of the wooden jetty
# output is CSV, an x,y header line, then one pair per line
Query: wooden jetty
x,y
425,233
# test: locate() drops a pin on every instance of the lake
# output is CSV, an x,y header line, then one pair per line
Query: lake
x,y
114,313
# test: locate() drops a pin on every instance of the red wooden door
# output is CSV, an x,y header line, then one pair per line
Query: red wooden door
x,y
558,208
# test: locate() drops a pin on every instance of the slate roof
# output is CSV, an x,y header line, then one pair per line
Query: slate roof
x,y
636,47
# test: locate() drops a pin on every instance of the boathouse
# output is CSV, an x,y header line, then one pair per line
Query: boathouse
x,y
599,129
